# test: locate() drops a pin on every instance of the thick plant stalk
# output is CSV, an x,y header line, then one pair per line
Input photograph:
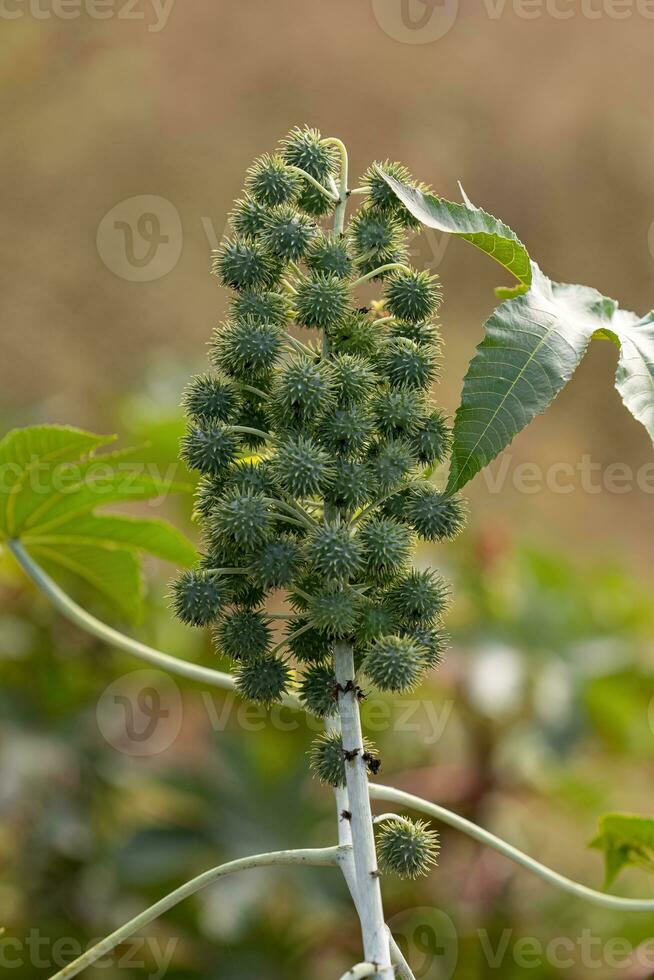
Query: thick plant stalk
x,y
326,856
375,937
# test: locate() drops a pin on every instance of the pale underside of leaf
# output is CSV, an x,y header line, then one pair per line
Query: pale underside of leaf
x,y
627,841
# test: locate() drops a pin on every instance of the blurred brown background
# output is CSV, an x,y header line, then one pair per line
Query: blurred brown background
x,y
546,121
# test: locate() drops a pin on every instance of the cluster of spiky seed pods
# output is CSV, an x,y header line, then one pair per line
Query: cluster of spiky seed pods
x,y
314,444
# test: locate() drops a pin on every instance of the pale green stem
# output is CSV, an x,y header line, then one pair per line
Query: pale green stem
x,y
84,620
360,190
615,902
383,319
291,636
339,213
228,571
323,857
389,267
247,430
291,289
360,971
292,509
302,348
312,180
255,391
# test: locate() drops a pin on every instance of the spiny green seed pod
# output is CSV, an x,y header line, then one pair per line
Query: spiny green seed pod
x,y
433,642
407,848
377,239
262,307
335,611
386,547
374,620
246,593
435,516
347,430
384,198
418,599
242,520
396,505
303,147
248,217
243,635
321,300
209,397
425,333
334,552
276,563
405,364
270,182
412,295
328,254
302,391
317,690
399,412
243,264
394,663
287,233
198,597
263,680
208,494
432,441
312,645
354,334
327,760
351,486
389,463
247,476
301,467
246,350
209,447
352,378
314,202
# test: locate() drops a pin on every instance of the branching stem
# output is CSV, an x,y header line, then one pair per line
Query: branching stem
x,y
312,180
389,267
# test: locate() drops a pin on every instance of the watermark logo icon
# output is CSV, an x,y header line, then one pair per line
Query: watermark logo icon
x,y
140,239
416,21
428,940
140,713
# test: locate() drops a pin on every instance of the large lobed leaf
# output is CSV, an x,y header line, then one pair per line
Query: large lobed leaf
x,y
469,223
51,481
627,841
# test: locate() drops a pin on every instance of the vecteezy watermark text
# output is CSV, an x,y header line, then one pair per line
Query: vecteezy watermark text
x,y
116,479
153,12
42,953
585,475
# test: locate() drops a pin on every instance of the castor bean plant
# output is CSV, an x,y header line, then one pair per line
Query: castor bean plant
x,y
323,460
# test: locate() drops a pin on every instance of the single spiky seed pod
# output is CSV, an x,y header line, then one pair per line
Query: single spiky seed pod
x,y
208,494
347,430
321,300
304,148
389,463
240,519
396,505
317,690
405,364
209,447
301,467
264,680
412,295
287,233
432,441
374,620
327,759
334,552
246,593
246,350
270,182
243,264
377,239
247,476
302,391
386,549
262,307
382,196
433,642
313,202
334,611
399,412
407,848
351,486
352,378
418,599
276,563
243,635
394,663
328,254
207,396
309,645
424,333
355,334
197,597
435,516
248,217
